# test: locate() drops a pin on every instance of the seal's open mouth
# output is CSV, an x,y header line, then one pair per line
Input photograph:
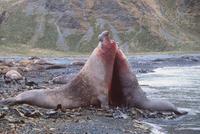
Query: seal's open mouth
x,y
104,38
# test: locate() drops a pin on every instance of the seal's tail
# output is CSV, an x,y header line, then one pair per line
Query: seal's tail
x,y
8,102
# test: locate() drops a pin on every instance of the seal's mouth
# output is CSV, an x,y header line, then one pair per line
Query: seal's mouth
x,y
104,38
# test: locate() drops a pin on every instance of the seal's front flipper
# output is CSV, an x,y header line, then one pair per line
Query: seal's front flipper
x,y
8,102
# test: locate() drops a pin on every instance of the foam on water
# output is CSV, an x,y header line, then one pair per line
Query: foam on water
x,y
172,76
155,129
181,86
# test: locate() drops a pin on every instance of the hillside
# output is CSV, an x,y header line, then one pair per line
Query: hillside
x,y
73,25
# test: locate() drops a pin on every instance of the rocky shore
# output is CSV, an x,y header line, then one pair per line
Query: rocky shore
x,y
28,119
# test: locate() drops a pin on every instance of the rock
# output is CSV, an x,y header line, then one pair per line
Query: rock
x,y
2,114
29,112
13,75
54,114
159,60
78,63
2,16
25,62
15,120
143,71
4,69
120,115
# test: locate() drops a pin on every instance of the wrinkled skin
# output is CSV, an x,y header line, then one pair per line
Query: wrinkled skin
x,y
126,91
89,87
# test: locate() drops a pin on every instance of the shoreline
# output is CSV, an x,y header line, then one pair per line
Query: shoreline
x,y
141,63
82,118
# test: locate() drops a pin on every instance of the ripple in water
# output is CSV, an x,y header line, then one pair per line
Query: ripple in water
x,y
181,86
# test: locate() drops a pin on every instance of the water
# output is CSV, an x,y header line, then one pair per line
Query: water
x,y
181,86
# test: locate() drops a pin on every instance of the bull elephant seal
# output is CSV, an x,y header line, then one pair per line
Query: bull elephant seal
x,y
89,87
126,90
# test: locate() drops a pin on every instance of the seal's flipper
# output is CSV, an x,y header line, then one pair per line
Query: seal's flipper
x,y
8,102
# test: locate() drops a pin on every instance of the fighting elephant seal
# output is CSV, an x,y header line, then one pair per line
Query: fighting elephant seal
x,y
89,87
126,90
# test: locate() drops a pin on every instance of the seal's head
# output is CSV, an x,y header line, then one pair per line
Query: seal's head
x,y
104,39
107,47
103,35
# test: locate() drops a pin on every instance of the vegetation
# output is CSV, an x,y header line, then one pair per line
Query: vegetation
x,y
48,41
177,32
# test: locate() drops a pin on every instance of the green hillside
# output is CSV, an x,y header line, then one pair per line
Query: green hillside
x,y
73,25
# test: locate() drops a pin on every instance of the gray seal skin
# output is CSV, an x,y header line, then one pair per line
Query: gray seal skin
x,y
127,92
89,87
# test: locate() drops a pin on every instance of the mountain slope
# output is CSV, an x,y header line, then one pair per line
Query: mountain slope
x,y
73,25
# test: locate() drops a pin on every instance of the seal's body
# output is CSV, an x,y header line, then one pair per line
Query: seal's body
x,y
126,91
89,87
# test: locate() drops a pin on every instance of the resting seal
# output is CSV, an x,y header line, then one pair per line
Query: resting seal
x,y
89,87
126,90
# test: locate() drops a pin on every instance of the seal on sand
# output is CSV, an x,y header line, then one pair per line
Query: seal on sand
x,y
89,87
126,90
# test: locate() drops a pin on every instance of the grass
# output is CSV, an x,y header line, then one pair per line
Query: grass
x,y
18,28
87,46
25,50
49,39
73,40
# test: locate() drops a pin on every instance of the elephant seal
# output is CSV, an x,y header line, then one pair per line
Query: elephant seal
x,y
126,90
89,87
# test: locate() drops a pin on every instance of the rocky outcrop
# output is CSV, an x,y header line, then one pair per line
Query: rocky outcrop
x,y
2,17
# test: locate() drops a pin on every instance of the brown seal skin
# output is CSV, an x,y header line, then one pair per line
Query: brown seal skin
x,y
89,87
127,92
